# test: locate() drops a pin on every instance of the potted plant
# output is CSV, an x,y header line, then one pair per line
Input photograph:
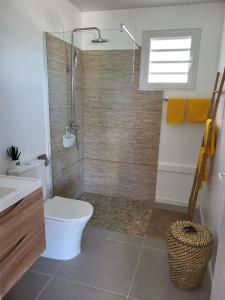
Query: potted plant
x,y
14,155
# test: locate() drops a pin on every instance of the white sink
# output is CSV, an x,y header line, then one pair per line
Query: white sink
x,y
5,191
13,189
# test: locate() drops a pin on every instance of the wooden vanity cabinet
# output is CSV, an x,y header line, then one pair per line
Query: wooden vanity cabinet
x,y
22,238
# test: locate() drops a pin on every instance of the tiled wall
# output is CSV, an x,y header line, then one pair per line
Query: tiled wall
x,y
67,164
121,127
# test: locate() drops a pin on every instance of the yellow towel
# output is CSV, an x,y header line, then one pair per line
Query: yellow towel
x,y
205,174
176,110
198,109
212,146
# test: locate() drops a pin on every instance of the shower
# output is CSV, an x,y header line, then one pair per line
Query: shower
x,y
73,126
113,168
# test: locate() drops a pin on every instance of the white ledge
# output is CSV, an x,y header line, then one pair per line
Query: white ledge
x,y
176,168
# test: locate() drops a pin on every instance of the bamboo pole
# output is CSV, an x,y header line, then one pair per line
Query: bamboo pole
x,y
209,116
199,173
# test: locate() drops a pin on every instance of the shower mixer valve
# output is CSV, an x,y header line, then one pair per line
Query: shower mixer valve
x,y
72,127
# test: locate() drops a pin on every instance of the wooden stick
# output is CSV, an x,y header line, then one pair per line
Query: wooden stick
x,y
197,187
213,96
209,116
197,184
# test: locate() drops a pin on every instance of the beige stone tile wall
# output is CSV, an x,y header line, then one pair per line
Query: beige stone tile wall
x,y
121,127
67,164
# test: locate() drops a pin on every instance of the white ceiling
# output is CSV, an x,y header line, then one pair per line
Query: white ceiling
x,y
96,5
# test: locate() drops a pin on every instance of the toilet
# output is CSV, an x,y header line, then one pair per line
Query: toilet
x,y
65,219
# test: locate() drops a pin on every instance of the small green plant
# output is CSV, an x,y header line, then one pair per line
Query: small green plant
x,y
13,153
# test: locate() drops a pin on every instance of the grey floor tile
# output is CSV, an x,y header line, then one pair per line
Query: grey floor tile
x,y
59,289
46,265
104,264
28,287
116,236
197,217
156,243
152,281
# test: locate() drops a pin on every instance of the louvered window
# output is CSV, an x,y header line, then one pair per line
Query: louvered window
x,y
169,59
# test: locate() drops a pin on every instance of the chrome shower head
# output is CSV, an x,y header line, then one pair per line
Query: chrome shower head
x,y
100,40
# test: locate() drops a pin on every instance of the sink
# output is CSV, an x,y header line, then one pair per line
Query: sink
x,y
4,191
13,189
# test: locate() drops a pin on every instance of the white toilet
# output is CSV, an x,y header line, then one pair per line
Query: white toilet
x,y
65,219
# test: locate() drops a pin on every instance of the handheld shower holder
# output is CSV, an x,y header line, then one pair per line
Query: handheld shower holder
x,y
73,128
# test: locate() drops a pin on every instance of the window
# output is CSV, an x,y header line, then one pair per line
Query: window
x,y
169,59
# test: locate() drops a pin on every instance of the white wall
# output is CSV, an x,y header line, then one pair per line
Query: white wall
x,y
179,145
23,88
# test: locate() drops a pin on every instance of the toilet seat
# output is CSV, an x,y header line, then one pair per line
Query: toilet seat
x,y
67,210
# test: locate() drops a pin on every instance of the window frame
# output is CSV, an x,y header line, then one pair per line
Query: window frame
x,y
195,34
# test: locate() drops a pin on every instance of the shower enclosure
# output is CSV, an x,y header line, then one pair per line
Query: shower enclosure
x,y
93,79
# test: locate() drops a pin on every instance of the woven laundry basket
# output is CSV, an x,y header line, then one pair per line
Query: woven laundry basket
x,y
190,248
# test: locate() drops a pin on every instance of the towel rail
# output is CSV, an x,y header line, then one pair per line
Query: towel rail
x,y
215,92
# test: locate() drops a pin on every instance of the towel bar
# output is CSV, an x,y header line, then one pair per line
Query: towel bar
x,y
216,92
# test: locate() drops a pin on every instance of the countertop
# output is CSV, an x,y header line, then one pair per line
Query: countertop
x,y
13,189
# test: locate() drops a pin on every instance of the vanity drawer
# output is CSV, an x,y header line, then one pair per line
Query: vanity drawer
x,y
22,238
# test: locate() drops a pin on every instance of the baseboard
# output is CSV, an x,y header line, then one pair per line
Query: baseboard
x,y
176,168
172,202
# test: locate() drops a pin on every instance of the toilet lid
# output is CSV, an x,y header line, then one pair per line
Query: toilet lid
x,y
64,209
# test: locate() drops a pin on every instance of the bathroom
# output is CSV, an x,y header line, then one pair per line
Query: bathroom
x,y
75,94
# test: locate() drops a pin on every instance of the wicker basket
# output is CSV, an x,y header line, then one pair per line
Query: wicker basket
x,y
190,248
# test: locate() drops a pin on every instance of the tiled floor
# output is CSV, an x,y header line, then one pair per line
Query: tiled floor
x,y
161,220
112,266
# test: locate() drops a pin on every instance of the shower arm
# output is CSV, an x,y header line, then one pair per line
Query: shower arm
x,y
82,29
88,28
73,111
